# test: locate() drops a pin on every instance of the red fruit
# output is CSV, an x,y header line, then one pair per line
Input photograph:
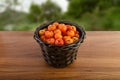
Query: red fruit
x,y
57,36
50,41
57,31
56,24
71,33
59,42
69,27
43,38
76,32
51,27
68,40
77,35
49,34
62,27
66,37
64,33
73,28
75,39
42,32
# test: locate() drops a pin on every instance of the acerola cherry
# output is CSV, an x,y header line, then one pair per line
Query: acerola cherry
x,y
75,39
51,27
70,33
43,38
77,35
57,31
42,32
62,27
76,32
56,24
49,34
66,37
69,27
57,36
68,41
50,41
59,42
73,28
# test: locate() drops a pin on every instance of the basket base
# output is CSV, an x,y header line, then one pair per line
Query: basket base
x,y
60,64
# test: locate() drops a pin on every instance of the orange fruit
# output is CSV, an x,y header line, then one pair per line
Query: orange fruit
x,y
70,33
73,28
58,36
50,41
57,31
69,27
59,42
49,34
66,37
62,27
75,39
56,24
77,35
42,32
51,27
68,40
76,32
43,38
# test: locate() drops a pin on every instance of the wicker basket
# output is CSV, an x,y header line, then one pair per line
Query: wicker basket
x,y
59,56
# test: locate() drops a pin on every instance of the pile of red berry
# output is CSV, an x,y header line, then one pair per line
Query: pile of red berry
x,y
59,34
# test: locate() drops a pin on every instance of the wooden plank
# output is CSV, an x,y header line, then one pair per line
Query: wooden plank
x,y
98,58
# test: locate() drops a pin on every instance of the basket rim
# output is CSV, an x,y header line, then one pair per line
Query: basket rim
x,y
37,37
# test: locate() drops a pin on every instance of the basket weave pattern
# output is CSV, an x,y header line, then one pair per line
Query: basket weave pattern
x,y
59,56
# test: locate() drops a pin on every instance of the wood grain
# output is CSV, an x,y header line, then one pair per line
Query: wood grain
x,y
98,58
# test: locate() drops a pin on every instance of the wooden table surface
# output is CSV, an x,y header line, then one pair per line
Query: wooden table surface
x,y
98,58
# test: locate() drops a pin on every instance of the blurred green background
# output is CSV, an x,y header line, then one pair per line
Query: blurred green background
x,y
91,14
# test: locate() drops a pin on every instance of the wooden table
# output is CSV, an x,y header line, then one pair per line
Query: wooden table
x,y
98,58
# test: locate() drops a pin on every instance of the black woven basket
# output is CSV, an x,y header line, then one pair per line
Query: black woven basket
x,y
59,56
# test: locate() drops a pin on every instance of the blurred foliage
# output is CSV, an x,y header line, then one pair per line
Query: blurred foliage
x,y
78,7
34,14
45,12
50,11
12,17
91,14
95,14
25,27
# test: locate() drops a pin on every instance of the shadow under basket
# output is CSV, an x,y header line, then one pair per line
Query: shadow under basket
x,y
59,56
